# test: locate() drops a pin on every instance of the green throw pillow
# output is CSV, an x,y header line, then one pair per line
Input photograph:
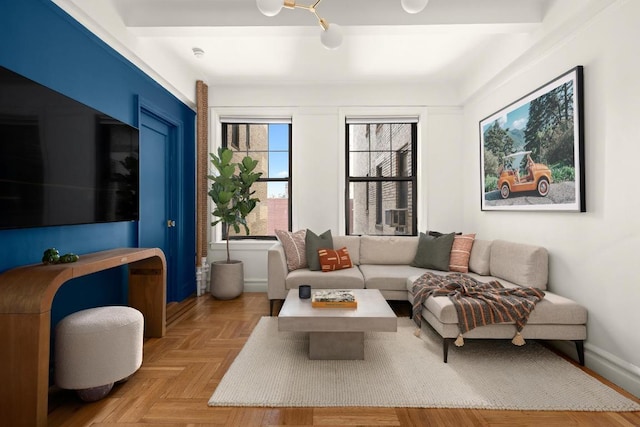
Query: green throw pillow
x,y
313,242
434,252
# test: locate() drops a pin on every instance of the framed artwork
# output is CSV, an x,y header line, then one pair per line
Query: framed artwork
x,y
532,151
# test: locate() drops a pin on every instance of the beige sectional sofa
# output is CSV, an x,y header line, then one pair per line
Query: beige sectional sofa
x,y
383,262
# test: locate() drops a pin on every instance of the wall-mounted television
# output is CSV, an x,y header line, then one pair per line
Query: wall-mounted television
x,y
62,162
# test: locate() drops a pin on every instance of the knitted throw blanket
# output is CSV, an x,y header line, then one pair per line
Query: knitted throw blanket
x,y
477,303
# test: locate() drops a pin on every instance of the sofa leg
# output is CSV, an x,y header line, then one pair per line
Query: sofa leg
x,y
580,350
272,303
445,348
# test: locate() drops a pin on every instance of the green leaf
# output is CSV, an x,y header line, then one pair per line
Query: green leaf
x,y
227,171
249,164
224,197
225,155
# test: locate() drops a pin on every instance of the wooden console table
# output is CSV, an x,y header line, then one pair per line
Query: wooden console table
x,y
26,295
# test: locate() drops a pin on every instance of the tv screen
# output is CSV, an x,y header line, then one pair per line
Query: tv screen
x,y
62,162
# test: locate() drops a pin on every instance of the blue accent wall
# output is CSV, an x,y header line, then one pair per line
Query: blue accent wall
x,y
43,43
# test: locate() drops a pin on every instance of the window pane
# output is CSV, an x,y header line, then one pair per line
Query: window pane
x,y
359,164
381,160
374,208
279,137
278,207
269,145
278,164
371,163
271,213
359,137
257,219
258,137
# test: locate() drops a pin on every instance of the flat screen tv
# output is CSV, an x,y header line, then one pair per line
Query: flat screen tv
x,y
62,162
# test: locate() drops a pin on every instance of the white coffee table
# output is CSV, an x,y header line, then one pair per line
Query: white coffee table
x,y
337,333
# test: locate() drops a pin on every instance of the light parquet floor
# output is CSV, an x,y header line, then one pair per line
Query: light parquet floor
x,y
204,335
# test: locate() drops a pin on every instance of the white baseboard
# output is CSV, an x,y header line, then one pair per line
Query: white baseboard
x,y
611,367
250,285
255,285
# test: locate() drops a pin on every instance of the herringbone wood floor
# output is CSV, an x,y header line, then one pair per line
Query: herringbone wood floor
x,y
181,371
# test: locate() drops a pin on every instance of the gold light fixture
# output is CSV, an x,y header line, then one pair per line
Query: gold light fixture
x,y
331,35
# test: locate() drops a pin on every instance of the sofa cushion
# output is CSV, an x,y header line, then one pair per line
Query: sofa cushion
x,y
352,243
334,259
433,252
314,242
351,278
294,248
552,309
480,257
522,264
389,250
460,253
388,277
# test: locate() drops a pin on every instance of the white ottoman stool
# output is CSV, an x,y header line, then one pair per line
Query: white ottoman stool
x,y
97,347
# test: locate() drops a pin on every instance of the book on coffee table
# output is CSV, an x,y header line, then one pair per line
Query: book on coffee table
x,y
334,298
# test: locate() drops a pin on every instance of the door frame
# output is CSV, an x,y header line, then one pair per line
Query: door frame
x,y
174,185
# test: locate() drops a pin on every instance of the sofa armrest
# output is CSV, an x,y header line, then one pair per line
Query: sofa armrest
x,y
276,272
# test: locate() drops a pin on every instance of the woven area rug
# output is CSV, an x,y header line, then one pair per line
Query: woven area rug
x,y
401,370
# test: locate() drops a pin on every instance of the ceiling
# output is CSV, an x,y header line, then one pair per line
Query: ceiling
x,y
382,43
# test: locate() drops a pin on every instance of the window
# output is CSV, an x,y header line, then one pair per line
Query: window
x,y
269,142
381,177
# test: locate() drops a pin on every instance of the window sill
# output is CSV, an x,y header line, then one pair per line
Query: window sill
x,y
244,244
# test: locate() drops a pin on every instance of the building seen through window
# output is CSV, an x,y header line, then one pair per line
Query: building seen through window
x,y
381,178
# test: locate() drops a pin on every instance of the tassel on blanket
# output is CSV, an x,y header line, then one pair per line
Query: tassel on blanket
x,y
417,332
459,342
518,340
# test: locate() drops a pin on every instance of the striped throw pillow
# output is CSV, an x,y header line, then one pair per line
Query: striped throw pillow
x,y
460,253
294,248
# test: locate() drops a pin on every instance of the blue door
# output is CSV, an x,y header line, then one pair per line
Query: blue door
x,y
157,204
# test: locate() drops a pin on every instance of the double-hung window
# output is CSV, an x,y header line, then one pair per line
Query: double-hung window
x,y
269,142
381,176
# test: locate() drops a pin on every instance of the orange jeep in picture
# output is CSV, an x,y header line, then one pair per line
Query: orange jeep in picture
x,y
534,177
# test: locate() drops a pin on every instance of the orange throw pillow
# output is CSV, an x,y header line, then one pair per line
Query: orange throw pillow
x,y
331,260
460,253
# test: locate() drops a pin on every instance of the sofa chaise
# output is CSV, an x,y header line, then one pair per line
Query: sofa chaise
x,y
384,263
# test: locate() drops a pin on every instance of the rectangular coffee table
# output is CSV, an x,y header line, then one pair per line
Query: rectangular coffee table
x,y
337,333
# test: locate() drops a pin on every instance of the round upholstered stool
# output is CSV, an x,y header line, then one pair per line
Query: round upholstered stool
x,y
96,348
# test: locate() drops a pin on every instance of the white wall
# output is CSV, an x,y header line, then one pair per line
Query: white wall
x,y
593,255
318,131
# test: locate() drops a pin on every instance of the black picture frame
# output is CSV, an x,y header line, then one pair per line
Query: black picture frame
x,y
532,150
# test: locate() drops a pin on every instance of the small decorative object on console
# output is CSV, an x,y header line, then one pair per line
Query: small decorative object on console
x,y
334,299
52,256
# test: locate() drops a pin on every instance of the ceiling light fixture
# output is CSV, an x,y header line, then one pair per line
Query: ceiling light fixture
x,y
413,6
331,35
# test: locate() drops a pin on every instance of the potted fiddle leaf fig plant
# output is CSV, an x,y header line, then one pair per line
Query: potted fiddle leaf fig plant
x,y
233,200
